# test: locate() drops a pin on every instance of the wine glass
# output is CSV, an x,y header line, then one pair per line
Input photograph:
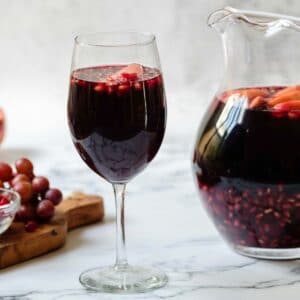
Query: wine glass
x,y
117,118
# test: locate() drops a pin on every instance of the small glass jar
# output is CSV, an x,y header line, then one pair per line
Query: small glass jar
x,y
8,211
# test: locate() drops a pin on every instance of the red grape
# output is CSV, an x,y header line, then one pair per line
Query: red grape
x,y
24,189
35,199
22,214
31,226
6,172
45,209
54,195
18,178
26,212
31,190
40,184
24,166
30,176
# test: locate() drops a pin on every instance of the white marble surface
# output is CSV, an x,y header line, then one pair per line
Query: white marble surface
x,y
166,225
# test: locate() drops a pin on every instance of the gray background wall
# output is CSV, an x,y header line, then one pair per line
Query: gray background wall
x,y
37,39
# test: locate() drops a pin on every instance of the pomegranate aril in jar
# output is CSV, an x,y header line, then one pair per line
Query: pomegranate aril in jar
x,y
4,200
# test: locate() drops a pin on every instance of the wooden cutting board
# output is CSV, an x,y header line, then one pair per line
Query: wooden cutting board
x,y
17,245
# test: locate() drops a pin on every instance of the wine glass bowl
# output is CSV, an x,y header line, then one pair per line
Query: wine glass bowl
x,y
117,120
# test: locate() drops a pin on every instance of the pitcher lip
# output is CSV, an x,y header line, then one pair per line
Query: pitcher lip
x,y
256,18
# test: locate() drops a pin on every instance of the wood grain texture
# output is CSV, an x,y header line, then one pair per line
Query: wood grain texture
x,y
81,210
17,245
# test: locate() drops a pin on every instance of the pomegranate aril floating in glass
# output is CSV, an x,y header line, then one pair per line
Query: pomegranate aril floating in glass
x,y
247,154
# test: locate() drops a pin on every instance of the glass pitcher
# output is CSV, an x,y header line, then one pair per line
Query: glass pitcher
x,y
246,159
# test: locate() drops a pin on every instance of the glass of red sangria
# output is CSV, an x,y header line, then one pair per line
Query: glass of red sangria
x,y
246,160
117,118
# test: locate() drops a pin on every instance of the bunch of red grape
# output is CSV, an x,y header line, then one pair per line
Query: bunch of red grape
x,y
37,198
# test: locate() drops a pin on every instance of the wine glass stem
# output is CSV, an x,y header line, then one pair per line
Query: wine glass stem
x,y
121,257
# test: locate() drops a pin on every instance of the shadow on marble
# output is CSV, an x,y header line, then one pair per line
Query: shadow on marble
x,y
75,239
109,219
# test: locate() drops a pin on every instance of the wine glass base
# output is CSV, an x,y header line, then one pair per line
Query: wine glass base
x,y
123,280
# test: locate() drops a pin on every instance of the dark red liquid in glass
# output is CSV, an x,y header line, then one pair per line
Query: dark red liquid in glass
x,y
117,126
247,166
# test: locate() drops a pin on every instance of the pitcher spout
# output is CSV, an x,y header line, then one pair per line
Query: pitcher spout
x,y
217,18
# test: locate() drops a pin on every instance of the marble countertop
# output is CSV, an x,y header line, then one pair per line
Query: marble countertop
x,y
166,227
